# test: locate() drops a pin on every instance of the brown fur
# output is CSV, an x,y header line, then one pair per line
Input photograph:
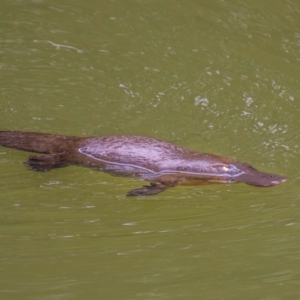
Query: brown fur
x,y
163,164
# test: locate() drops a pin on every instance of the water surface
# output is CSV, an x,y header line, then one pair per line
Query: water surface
x,y
213,76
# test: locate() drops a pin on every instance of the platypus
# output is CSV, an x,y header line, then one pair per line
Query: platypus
x,y
161,163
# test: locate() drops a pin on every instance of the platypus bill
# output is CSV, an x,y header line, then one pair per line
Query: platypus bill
x,y
163,164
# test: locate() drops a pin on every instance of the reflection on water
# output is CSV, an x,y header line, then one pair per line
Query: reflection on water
x,y
219,77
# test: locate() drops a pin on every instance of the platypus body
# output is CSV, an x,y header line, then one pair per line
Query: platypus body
x,y
163,164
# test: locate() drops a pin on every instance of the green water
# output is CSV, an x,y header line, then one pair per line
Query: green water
x,y
213,76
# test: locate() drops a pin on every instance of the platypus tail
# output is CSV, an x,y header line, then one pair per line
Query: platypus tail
x,y
36,142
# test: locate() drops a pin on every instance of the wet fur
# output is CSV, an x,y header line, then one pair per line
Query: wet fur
x,y
163,164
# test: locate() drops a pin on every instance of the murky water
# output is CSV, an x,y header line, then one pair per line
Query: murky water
x,y
213,76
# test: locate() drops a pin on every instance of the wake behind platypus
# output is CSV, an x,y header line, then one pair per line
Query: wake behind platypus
x,y
163,164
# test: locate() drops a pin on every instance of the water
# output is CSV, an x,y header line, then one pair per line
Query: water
x,y
213,76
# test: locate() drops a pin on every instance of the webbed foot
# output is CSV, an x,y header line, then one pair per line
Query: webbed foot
x,y
148,190
44,163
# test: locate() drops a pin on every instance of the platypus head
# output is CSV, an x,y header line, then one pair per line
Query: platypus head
x,y
254,177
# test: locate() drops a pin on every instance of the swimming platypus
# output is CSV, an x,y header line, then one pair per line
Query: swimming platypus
x,y
163,164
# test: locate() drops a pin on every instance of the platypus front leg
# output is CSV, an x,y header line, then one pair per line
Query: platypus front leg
x,y
148,190
44,163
